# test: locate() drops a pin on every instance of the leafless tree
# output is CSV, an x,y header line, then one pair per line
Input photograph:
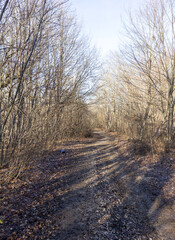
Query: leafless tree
x,y
144,73
46,70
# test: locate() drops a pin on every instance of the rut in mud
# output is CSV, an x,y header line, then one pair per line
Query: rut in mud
x,y
95,191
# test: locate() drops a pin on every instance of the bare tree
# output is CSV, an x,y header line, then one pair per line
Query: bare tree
x,y
152,53
46,72
144,74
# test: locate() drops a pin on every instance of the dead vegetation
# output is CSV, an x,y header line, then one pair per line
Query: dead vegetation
x,y
136,93
46,69
96,188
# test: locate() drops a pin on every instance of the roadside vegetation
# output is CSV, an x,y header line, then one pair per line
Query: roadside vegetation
x,y
49,71
138,82
46,72
87,150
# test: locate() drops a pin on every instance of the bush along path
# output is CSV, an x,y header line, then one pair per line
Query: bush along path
x,y
94,189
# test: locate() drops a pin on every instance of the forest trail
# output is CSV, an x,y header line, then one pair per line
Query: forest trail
x,y
96,190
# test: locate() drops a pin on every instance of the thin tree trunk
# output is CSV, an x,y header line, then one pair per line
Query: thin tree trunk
x,y
3,10
170,115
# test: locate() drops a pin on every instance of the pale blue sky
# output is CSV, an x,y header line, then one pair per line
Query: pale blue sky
x,y
101,20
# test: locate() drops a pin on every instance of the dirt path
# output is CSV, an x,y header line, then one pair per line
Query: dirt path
x,y
96,190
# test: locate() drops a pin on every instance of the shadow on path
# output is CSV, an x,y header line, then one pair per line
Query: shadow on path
x,y
102,193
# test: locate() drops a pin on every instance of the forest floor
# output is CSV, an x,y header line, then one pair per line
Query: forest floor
x,y
99,189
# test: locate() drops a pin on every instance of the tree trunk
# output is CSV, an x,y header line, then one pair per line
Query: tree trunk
x,y
170,115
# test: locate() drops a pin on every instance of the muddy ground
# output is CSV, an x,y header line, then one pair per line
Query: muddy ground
x,y
99,189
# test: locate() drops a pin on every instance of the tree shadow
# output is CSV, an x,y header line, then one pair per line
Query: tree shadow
x,y
103,194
